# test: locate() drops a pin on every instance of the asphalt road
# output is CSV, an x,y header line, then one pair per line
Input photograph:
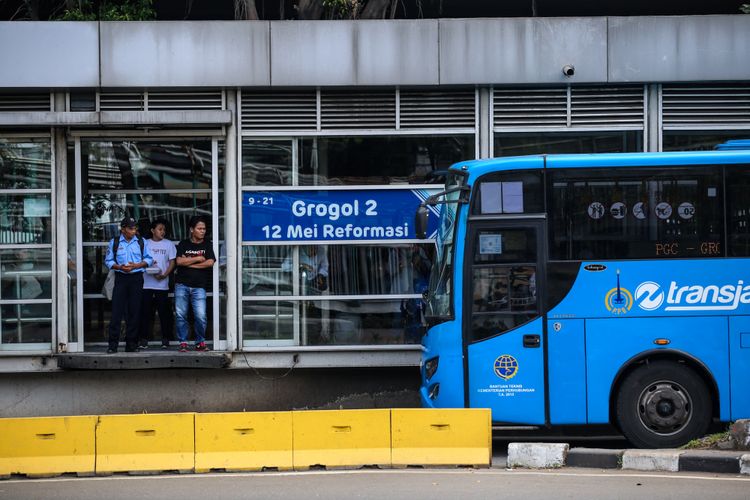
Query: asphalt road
x,y
409,484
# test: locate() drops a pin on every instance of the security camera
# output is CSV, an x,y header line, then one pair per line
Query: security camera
x,y
568,70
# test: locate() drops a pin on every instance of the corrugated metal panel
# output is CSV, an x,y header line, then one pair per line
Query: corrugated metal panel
x,y
688,106
121,101
25,102
279,110
606,106
425,109
184,101
530,107
348,110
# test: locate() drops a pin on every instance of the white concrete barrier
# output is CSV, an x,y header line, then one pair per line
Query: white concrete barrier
x,y
660,460
537,455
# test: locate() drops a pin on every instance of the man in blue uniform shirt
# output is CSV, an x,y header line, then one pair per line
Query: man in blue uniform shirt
x,y
129,260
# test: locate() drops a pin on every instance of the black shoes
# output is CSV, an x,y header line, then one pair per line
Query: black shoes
x,y
111,351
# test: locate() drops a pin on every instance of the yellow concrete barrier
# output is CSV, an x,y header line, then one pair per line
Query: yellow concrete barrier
x,y
441,437
341,438
140,443
47,445
243,441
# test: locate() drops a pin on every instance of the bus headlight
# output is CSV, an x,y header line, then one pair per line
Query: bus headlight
x,y
433,391
430,367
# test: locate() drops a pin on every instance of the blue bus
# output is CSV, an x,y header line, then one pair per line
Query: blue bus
x,y
593,289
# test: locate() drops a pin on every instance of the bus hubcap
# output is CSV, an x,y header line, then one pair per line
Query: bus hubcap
x,y
664,407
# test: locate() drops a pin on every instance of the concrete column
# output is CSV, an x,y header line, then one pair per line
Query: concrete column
x,y
232,206
60,233
485,124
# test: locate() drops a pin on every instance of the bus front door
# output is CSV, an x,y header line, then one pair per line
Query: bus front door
x,y
503,323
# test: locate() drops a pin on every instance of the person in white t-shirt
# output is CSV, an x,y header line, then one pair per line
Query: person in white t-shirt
x,y
156,286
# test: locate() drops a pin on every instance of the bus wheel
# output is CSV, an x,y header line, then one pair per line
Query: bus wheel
x,y
663,404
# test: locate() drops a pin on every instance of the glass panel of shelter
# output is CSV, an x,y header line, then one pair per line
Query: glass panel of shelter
x,y
26,222
172,179
372,293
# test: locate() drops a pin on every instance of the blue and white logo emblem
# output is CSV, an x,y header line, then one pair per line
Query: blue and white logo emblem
x,y
506,367
649,296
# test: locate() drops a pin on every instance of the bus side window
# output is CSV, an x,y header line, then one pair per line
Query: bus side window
x,y
644,213
738,210
516,192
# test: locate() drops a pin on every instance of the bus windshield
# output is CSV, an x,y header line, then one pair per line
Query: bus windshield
x,y
439,300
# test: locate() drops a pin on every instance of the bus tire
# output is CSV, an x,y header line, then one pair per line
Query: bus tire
x,y
663,404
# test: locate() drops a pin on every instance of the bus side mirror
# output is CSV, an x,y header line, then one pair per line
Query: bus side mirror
x,y
420,222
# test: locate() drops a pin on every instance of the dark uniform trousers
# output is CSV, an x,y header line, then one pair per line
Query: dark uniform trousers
x,y
126,304
156,301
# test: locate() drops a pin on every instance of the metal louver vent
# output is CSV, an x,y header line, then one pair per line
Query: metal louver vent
x,y
25,102
161,101
423,109
705,106
121,101
184,101
530,107
610,106
347,110
279,110
569,107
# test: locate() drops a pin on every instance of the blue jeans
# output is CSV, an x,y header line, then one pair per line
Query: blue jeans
x,y
185,297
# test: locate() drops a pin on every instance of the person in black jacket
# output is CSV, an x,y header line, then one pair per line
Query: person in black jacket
x,y
193,277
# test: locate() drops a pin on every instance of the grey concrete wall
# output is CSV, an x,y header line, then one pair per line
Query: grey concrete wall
x,y
399,52
679,49
184,54
152,391
49,54
318,53
521,51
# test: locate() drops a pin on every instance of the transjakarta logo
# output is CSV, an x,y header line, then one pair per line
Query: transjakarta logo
x,y
650,296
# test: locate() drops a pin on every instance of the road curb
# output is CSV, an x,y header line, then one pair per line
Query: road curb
x,y
670,460
727,462
595,458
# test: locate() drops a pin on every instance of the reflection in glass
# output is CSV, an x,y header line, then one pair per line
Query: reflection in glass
x,y
98,311
25,219
263,272
490,289
146,165
354,322
699,140
398,269
25,165
379,270
25,273
267,321
635,213
489,325
266,163
26,323
94,270
519,144
738,210
507,245
504,288
102,213
334,322
381,160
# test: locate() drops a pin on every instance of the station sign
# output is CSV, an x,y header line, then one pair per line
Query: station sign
x,y
333,215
